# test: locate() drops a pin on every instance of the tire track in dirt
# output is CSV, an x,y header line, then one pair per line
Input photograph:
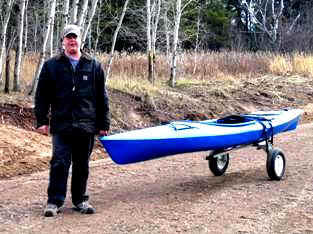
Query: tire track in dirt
x,y
303,199
281,214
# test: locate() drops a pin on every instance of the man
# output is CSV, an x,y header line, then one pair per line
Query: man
x,y
71,102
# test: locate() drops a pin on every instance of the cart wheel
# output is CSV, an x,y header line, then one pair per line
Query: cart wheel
x,y
218,164
276,164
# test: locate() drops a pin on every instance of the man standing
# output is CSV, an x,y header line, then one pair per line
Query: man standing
x,y
71,102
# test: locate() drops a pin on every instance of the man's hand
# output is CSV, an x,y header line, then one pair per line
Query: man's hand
x,y
103,133
44,129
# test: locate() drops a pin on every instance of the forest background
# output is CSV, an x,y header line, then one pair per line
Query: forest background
x,y
164,30
151,47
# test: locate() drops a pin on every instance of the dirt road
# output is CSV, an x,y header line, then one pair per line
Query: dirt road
x,y
177,194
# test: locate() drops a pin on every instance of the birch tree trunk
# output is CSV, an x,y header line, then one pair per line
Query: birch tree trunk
x,y
74,11
114,39
35,32
83,14
65,17
90,18
149,52
25,28
51,47
65,20
43,51
175,42
152,30
4,26
276,20
197,40
167,34
9,44
95,48
155,23
7,72
179,10
19,50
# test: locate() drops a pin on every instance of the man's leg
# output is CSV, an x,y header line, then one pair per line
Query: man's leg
x,y
59,168
80,168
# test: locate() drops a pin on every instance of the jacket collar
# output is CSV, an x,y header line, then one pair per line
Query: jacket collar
x,y
84,56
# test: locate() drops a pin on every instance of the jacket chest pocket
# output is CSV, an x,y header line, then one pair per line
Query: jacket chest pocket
x,y
85,83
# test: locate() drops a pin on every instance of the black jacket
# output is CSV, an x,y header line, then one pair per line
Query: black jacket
x,y
76,99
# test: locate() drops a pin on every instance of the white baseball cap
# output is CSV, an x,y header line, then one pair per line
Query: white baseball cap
x,y
71,28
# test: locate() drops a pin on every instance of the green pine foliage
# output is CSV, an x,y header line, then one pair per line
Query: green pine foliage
x,y
217,19
214,25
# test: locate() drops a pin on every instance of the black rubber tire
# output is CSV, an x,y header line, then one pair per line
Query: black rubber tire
x,y
276,164
218,165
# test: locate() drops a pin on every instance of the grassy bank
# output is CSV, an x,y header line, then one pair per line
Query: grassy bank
x,y
129,71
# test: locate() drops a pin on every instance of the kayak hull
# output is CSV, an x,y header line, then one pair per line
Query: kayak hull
x,y
193,136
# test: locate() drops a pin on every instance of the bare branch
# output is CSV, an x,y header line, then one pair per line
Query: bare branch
x,y
293,24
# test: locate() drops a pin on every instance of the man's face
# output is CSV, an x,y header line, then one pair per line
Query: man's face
x,y
72,43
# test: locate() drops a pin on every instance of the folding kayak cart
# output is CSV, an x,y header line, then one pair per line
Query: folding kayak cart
x,y
218,160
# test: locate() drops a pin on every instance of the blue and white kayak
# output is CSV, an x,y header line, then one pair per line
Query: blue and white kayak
x,y
192,136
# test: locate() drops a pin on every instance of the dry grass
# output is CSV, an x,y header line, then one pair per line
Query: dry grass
x,y
133,85
281,65
29,66
303,64
129,71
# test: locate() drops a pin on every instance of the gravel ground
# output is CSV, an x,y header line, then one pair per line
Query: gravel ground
x,y
177,194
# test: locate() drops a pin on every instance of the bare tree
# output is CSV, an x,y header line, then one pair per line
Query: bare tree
x,y
4,25
83,13
298,29
166,30
43,51
114,39
90,18
97,30
150,65
197,37
19,50
153,15
36,31
25,28
267,22
11,35
293,24
75,4
51,47
7,72
179,9
154,26
66,16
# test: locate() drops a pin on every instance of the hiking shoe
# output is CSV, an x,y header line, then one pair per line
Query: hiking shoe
x,y
51,210
85,208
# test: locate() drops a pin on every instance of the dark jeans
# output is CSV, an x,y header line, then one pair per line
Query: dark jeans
x,y
68,148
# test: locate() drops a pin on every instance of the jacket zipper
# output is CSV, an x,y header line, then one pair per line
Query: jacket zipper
x,y
73,78
73,90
